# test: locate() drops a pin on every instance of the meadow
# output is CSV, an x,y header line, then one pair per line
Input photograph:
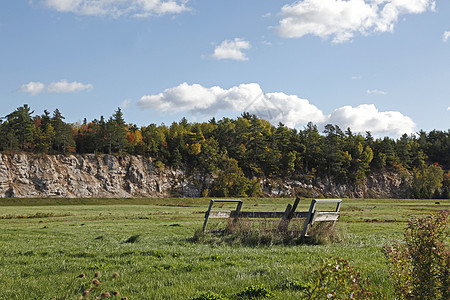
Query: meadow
x,y
143,248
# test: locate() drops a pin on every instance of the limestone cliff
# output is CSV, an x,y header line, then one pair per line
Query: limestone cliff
x,y
36,175
375,185
30,175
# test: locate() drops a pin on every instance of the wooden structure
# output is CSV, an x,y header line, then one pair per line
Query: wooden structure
x,y
311,216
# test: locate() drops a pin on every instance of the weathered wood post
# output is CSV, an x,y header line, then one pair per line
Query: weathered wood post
x,y
222,214
288,214
211,203
314,216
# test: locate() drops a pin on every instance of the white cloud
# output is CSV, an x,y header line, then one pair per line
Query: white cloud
x,y
117,8
277,107
291,110
446,36
231,49
366,117
32,88
342,20
196,99
63,86
356,77
125,103
378,92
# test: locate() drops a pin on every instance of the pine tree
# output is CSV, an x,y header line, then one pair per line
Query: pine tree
x,y
64,140
21,127
117,132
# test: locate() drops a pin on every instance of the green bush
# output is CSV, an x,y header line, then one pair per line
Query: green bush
x,y
255,291
210,296
336,279
420,267
294,285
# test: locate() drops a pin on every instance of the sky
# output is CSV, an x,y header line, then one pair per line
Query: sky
x,y
372,65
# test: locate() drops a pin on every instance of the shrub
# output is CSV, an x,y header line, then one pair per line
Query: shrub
x,y
210,296
336,279
256,291
160,165
295,285
420,266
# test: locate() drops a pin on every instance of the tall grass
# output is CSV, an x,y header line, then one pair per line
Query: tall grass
x,y
41,258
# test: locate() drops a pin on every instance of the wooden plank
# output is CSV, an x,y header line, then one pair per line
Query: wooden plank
x,y
227,200
220,214
327,200
284,223
239,206
265,214
223,214
260,214
299,215
309,217
207,215
294,208
325,216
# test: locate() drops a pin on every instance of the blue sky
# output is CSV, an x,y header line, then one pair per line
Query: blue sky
x,y
377,65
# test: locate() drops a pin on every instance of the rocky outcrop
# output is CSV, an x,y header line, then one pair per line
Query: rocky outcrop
x,y
30,175
35,175
375,185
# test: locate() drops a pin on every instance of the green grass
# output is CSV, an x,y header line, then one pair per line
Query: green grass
x,y
46,243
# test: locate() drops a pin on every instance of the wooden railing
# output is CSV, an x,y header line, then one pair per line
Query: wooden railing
x,y
311,216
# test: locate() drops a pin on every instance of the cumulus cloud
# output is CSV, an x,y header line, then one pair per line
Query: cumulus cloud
x,y
63,86
231,49
446,36
196,99
378,92
275,107
117,8
32,88
366,117
342,20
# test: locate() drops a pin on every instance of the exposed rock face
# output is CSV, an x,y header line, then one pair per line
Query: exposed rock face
x,y
376,185
31,175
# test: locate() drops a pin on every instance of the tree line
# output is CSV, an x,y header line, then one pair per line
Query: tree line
x,y
238,152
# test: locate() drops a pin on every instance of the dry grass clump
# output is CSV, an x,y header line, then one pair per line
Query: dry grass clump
x,y
93,289
251,232
324,233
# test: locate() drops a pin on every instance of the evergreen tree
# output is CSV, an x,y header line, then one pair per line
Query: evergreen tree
x,y
313,142
20,127
63,134
117,132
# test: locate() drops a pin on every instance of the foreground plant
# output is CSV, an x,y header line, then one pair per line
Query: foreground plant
x,y
210,296
420,266
255,291
94,290
337,279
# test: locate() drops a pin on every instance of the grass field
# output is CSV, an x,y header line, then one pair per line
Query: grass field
x,y
45,244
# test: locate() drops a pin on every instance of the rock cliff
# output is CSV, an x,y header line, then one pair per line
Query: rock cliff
x,y
35,175
30,175
375,185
